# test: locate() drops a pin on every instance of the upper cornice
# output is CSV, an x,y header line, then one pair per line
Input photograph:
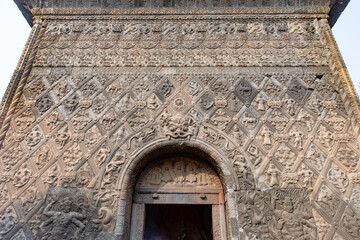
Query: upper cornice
x,y
293,6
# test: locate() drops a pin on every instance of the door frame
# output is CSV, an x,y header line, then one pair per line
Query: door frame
x,y
214,197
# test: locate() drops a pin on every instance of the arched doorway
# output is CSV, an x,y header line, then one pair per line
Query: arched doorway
x,y
178,197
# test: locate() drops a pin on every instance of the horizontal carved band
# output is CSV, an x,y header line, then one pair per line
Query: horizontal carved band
x,y
175,3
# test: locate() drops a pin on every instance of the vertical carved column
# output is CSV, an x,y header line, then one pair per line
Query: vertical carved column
x,y
218,221
19,79
137,221
344,83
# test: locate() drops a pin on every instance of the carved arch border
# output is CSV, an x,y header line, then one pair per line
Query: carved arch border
x,y
196,148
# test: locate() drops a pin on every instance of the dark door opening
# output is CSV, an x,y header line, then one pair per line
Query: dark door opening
x,y
173,222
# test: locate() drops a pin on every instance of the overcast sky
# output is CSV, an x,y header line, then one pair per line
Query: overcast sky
x,y
15,31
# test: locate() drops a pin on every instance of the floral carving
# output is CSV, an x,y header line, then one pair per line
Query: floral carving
x,y
62,137
53,120
12,156
30,198
24,120
72,155
22,176
8,220
44,103
34,137
220,119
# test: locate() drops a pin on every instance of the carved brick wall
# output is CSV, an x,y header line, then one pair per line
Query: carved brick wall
x,y
262,91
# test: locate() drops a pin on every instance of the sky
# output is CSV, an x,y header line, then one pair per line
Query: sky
x,y
15,31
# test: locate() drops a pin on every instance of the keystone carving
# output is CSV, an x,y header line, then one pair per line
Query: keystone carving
x,y
177,127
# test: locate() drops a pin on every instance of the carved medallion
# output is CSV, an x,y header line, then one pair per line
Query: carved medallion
x,y
245,92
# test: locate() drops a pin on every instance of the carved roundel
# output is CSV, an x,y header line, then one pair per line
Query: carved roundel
x,y
178,172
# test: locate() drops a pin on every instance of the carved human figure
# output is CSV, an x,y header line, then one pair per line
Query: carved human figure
x,y
298,139
125,104
316,105
306,120
237,134
240,165
233,103
292,223
57,224
179,172
52,175
194,88
167,175
243,172
191,173
351,222
273,175
338,177
254,153
325,137
326,199
155,176
307,177
261,104
112,167
315,157
202,177
102,155
266,133
290,106
152,103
